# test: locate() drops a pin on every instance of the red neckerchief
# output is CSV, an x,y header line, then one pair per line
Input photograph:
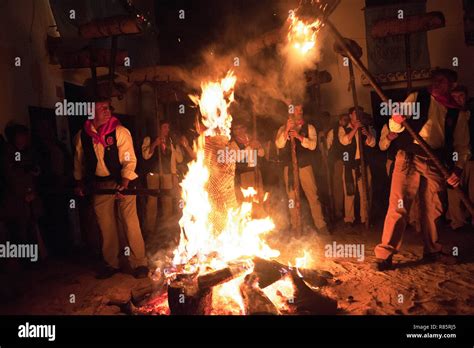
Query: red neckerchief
x,y
299,123
445,100
98,136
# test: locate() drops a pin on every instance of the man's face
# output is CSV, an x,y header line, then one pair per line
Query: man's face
x,y
459,97
344,120
164,129
353,116
240,131
298,112
440,85
102,113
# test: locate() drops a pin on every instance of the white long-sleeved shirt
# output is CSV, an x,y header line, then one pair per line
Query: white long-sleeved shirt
x,y
345,140
176,153
330,138
384,142
126,153
433,130
309,142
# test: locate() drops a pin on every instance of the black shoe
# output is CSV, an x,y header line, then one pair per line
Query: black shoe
x,y
440,257
382,264
140,272
106,272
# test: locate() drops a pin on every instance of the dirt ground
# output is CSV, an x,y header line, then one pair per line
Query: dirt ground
x,y
68,286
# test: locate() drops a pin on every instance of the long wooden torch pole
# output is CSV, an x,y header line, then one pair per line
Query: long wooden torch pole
x,y
426,148
363,169
296,188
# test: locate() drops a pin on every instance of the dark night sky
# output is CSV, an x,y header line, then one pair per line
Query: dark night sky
x,y
210,21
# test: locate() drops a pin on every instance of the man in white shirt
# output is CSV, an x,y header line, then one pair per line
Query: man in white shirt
x,y
305,139
163,156
352,177
105,159
446,131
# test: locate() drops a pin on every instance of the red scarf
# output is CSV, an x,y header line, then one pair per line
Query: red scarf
x,y
98,136
445,100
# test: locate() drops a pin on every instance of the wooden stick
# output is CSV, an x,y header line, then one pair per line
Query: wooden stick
x,y
426,148
296,188
364,195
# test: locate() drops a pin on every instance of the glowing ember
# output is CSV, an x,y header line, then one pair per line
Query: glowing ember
x,y
282,294
302,34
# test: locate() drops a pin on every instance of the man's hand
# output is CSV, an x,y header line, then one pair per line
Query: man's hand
x,y
290,124
184,141
295,135
158,141
399,118
121,187
454,179
392,136
356,124
368,135
255,144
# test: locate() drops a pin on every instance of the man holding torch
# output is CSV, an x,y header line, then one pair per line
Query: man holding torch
x,y
305,140
445,130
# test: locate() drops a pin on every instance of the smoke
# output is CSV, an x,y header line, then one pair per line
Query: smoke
x,y
270,72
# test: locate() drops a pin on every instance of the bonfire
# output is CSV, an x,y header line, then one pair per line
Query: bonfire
x,y
223,263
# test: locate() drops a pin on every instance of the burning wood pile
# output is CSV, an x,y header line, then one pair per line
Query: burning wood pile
x,y
222,264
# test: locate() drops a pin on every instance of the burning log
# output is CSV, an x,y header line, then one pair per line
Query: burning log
x,y
185,297
141,293
192,295
255,300
307,301
269,272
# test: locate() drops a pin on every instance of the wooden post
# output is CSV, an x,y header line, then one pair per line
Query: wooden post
x,y
408,62
296,188
113,54
158,126
364,195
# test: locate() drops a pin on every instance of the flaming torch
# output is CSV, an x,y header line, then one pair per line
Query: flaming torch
x,y
302,34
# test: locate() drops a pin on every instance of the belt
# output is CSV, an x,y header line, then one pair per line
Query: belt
x,y
104,178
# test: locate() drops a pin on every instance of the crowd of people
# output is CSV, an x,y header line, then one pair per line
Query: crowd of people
x,y
38,207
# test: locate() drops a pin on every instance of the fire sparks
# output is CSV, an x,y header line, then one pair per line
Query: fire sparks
x,y
214,102
302,34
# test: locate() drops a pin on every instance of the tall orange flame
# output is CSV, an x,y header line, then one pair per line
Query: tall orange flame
x,y
214,102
